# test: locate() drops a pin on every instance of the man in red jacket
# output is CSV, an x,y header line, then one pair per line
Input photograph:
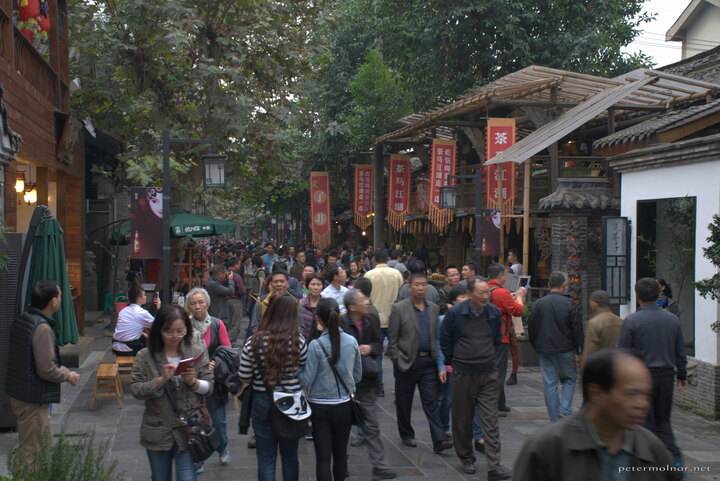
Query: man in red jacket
x,y
510,305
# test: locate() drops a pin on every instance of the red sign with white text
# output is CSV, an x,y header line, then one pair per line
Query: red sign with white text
x,y
399,190
363,195
443,165
501,195
320,208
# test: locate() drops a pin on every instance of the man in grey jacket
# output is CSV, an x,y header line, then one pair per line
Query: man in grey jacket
x,y
413,349
604,440
221,287
658,336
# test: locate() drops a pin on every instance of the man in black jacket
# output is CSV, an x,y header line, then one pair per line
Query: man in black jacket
x,y
658,336
555,331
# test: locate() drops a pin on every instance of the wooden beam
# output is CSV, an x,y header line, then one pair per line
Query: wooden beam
x,y
611,121
459,123
379,194
549,104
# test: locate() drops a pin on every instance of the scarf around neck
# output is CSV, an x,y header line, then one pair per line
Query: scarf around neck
x,y
200,328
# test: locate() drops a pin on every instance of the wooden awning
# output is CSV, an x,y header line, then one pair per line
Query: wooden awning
x,y
566,89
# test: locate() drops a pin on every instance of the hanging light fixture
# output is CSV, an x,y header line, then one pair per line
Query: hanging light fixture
x,y
30,196
20,182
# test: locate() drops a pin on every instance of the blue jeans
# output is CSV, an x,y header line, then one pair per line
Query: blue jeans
x,y
161,465
383,336
445,398
219,419
477,428
558,368
267,445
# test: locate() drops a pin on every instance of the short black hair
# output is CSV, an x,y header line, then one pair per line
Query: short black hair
x,y
417,275
218,268
415,266
233,261
495,270
599,369
396,253
134,293
43,292
514,251
380,255
278,267
601,298
647,289
331,270
450,267
471,265
556,280
257,261
364,285
472,282
166,315
456,292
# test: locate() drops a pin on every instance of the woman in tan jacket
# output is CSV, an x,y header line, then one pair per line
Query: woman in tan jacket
x,y
162,433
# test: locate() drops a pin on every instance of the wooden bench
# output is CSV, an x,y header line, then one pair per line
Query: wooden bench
x,y
107,384
125,367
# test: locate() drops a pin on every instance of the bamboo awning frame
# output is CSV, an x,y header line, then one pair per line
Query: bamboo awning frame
x,y
550,85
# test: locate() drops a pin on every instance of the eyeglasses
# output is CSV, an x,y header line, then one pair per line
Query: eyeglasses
x,y
175,333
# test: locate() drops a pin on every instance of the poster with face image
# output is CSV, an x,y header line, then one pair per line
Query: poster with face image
x,y
146,222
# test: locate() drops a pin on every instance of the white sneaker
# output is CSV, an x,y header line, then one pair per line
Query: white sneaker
x,y
225,457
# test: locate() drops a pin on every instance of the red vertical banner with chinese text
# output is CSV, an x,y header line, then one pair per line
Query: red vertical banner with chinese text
x,y
443,164
320,209
500,189
363,204
398,190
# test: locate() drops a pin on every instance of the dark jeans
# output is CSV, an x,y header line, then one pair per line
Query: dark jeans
x,y
658,416
161,465
501,354
383,336
331,430
445,397
424,375
267,445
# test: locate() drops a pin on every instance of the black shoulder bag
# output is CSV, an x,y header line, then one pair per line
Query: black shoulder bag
x,y
358,417
202,437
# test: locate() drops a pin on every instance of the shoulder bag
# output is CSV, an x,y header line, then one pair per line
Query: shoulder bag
x,y
358,417
289,413
202,437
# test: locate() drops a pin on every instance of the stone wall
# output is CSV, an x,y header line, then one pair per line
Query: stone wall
x,y
703,393
569,254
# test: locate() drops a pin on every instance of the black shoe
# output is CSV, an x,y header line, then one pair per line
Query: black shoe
x,y
480,446
499,474
505,409
468,467
383,474
512,380
411,443
381,393
441,446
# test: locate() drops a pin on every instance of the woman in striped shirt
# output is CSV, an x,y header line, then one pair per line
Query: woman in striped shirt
x,y
281,350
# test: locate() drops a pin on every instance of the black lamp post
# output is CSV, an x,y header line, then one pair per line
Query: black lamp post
x,y
212,169
448,200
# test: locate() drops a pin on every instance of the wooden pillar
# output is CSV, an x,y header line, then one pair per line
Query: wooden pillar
x,y
527,173
554,167
10,196
379,201
7,37
611,121
41,184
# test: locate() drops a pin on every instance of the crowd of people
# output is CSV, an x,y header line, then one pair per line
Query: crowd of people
x,y
318,326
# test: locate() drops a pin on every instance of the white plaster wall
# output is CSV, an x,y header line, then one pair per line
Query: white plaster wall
x,y
701,180
702,33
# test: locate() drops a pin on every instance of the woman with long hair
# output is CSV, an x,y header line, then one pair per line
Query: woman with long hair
x,y
162,433
665,301
308,305
272,358
354,273
332,370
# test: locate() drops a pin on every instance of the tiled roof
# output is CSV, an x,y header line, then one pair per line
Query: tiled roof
x,y
703,66
660,123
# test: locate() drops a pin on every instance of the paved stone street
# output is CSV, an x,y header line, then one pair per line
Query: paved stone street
x,y
698,438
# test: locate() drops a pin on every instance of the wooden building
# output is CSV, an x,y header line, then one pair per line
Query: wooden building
x,y
49,156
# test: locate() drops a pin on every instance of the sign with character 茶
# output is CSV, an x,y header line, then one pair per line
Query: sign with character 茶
x,y
500,178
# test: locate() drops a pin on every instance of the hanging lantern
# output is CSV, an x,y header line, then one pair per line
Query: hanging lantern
x,y
28,9
20,182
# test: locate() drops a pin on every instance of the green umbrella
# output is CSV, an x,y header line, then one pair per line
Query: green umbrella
x,y
120,236
184,224
48,263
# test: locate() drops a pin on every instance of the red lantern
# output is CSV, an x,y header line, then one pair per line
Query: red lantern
x,y
28,34
44,23
30,10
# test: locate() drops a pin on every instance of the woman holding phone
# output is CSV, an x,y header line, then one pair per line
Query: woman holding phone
x,y
162,433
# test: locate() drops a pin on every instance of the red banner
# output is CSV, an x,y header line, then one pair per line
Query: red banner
x,y
320,209
443,165
501,134
363,205
399,190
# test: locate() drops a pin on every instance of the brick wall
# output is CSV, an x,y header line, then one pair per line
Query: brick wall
x,y
703,393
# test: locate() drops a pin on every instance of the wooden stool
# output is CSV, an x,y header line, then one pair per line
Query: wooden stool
x,y
107,384
125,367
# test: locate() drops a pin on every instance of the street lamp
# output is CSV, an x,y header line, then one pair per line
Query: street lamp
x,y
166,142
448,200
214,168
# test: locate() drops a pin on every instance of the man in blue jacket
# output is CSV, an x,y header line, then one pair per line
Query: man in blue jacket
x,y
469,337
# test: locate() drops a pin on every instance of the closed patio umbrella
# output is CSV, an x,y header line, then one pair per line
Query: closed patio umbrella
x,y
48,263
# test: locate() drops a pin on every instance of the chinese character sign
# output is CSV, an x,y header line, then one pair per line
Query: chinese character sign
x,y
399,190
443,165
363,195
320,208
501,179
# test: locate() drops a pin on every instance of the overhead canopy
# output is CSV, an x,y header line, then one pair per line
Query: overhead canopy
x,y
184,224
565,89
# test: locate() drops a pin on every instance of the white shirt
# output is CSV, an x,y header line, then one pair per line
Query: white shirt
x,y
131,322
332,293
516,268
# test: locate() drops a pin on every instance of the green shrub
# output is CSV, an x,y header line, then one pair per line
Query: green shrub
x,y
75,457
